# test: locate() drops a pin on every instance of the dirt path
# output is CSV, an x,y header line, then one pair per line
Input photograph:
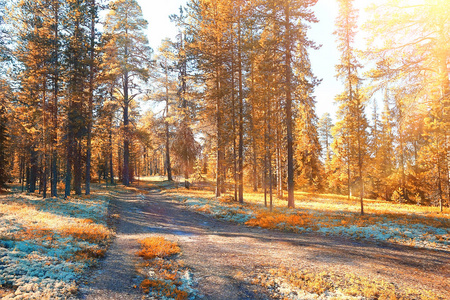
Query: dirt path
x,y
219,253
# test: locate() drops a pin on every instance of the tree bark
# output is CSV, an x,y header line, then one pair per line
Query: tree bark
x,y
241,112
90,101
289,137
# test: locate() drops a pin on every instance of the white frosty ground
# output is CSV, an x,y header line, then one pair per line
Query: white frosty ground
x,y
417,235
36,260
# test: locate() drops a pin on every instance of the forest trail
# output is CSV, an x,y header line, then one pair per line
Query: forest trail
x,y
220,254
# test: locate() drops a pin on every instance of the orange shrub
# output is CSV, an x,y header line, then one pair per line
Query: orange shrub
x,y
162,288
157,247
34,232
87,231
272,220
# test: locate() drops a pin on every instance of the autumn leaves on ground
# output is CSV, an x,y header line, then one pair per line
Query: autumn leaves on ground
x,y
48,245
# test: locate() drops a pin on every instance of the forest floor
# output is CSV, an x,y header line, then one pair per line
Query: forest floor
x,y
225,254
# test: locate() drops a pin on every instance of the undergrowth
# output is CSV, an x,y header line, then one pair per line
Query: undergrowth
x,y
421,227
286,282
157,247
164,276
47,244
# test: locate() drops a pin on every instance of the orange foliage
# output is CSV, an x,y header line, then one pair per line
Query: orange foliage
x,y
273,220
348,284
90,253
162,288
34,232
87,231
157,247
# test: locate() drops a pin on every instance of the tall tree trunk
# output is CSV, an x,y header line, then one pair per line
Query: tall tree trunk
x,y
360,158
233,120
168,164
54,138
253,133
241,111
289,137
90,101
126,138
77,171
69,158
44,139
269,150
278,153
219,174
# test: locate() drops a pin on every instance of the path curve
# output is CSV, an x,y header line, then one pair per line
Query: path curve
x,y
219,252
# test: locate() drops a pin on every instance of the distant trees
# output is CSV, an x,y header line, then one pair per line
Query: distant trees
x,y
413,71
238,94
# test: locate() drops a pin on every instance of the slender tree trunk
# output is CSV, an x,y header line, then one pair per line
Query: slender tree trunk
x,y
360,167
33,170
168,164
126,138
278,152
233,118
44,140
54,139
269,152
219,178
111,165
69,158
77,171
253,134
289,137
348,170
90,101
241,111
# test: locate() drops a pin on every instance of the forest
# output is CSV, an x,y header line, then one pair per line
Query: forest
x,y
231,97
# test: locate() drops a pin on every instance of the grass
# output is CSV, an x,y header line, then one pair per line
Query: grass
x,y
47,244
164,276
157,246
287,281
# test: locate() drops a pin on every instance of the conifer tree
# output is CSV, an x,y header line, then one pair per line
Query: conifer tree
x,y
166,92
353,124
208,30
3,135
126,26
4,55
77,57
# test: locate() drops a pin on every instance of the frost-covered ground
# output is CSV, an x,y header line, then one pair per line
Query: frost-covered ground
x,y
167,279
47,244
430,231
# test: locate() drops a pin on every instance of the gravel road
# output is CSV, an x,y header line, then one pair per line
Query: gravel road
x,y
220,253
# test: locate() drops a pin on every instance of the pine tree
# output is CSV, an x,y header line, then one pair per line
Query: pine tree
x,y
207,32
3,136
93,62
166,92
353,123
77,58
4,57
126,26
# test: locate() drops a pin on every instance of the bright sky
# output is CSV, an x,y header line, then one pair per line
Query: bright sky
x,y
323,60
